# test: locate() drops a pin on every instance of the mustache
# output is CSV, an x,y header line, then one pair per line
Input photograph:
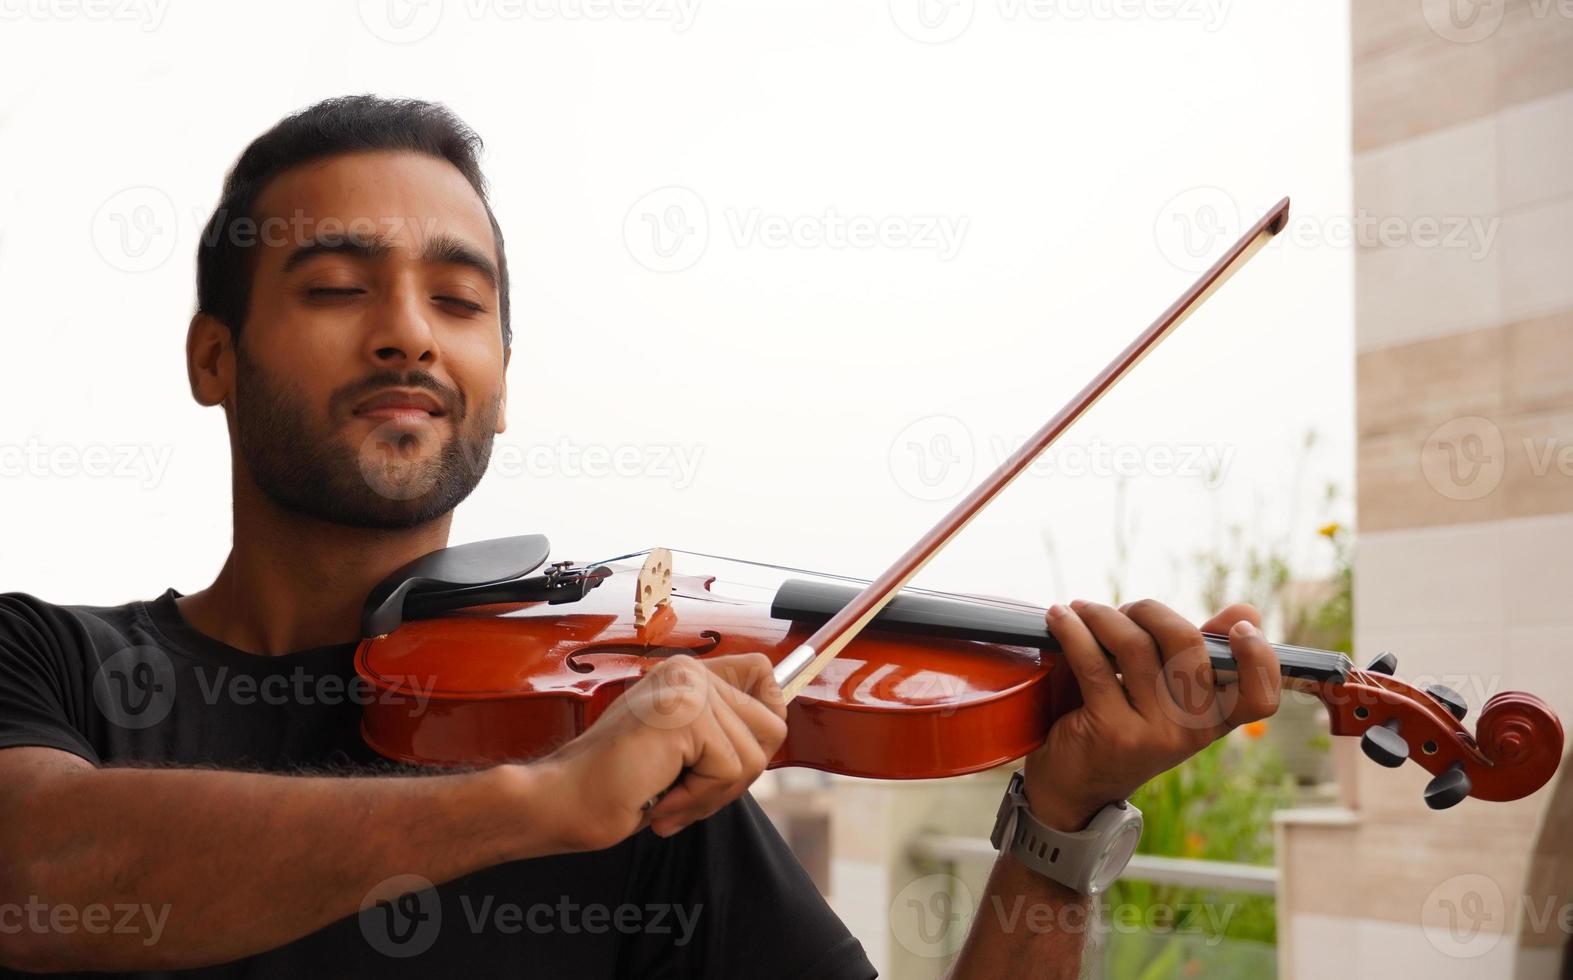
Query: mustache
x,y
452,400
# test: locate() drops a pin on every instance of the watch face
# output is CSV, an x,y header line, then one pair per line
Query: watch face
x,y
1116,855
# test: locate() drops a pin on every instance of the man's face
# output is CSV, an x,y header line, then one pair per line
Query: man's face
x,y
369,374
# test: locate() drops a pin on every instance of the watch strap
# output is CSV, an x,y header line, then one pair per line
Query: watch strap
x,y
1066,858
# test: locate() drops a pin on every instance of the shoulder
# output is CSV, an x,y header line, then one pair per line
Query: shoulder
x,y
30,623
52,656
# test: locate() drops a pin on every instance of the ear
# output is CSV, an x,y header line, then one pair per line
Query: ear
x,y
502,395
210,360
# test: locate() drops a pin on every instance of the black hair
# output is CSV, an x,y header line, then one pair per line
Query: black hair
x,y
348,124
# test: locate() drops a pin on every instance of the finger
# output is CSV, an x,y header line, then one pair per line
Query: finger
x,y
753,675
702,792
1224,621
765,727
748,685
1187,670
1101,690
1133,650
738,736
710,760
1260,680
751,762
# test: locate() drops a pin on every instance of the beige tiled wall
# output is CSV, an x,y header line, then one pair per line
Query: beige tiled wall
x,y
1464,383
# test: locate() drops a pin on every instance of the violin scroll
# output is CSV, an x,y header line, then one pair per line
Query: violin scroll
x,y
1515,750
1521,737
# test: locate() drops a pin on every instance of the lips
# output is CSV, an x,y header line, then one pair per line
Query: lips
x,y
400,403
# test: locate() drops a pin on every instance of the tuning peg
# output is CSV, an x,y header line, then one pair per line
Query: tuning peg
x,y
1385,663
1450,699
1384,746
1448,789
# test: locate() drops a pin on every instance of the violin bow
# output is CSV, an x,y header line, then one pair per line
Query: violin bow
x,y
803,664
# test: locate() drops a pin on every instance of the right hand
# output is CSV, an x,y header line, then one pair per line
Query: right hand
x,y
700,730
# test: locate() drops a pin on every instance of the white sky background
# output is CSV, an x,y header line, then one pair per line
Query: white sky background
x,y
1065,146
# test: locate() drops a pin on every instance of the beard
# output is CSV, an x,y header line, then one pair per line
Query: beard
x,y
401,476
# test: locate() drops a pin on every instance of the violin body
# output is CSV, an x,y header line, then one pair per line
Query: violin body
x,y
474,663
514,681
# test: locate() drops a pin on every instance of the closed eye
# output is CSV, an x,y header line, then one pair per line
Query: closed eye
x,y
334,292
469,305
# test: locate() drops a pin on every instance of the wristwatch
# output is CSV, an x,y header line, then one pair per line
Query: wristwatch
x,y
1087,861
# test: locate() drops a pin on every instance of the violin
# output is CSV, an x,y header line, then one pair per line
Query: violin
x,y
478,657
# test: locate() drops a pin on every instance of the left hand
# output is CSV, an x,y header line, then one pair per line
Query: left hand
x,y
1162,707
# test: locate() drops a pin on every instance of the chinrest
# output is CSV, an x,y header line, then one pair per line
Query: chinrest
x,y
451,573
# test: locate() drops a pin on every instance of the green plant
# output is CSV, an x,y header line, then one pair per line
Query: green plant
x,y
1218,806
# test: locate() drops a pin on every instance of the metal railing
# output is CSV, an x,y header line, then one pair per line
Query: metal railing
x,y
949,851
1249,878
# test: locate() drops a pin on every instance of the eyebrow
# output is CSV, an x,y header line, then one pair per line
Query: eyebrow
x,y
437,250
447,250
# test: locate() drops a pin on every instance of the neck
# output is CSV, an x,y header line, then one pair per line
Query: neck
x,y
292,582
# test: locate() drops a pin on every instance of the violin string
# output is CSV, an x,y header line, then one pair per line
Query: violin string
x,y
993,601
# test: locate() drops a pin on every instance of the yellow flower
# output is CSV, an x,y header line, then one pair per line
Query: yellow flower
x,y
1193,844
1330,530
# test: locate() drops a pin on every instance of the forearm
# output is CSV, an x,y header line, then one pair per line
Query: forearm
x,y
226,864
1026,926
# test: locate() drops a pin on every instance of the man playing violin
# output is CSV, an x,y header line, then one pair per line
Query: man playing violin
x,y
183,785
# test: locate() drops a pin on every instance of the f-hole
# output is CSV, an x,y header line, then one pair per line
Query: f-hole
x,y
709,640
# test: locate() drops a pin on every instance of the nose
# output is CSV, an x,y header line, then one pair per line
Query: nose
x,y
401,335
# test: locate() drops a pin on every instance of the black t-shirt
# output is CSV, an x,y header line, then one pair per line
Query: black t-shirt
x,y
137,684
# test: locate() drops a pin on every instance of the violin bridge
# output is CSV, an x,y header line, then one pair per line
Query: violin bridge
x,y
654,586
